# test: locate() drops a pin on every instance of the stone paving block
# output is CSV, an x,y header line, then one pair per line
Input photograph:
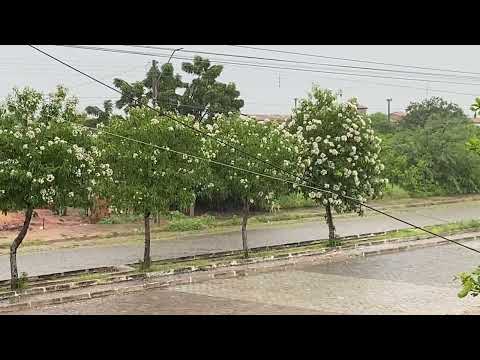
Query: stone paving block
x,y
156,284
85,283
14,307
77,297
63,286
35,291
103,293
131,289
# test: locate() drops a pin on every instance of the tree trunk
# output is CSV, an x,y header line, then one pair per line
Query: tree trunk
x,y
13,248
244,227
331,227
146,255
64,212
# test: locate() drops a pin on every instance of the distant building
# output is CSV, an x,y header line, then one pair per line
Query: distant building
x,y
362,109
397,116
476,121
270,117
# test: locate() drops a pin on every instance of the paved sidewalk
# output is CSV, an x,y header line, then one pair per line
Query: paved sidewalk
x,y
418,281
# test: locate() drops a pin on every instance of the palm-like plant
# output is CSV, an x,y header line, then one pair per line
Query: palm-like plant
x,y
100,116
476,105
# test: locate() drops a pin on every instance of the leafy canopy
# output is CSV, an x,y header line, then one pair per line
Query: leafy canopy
x,y
418,113
339,152
146,178
267,142
45,157
203,97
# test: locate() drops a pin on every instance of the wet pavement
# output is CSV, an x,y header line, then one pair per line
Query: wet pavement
x,y
36,263
414,282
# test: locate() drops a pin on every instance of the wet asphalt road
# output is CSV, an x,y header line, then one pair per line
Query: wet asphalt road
x,y
36,263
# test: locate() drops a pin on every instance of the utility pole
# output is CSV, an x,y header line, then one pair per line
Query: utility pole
x,y
154,84
279,80
388,101
155,81
295,103
173,52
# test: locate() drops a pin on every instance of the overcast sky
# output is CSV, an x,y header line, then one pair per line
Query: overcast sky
x,y
265,90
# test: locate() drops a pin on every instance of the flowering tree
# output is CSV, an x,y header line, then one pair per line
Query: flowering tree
x,y
340,152
267,142
148,179
45,158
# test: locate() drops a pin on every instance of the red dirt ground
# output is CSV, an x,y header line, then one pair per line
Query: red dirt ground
x,y
56,227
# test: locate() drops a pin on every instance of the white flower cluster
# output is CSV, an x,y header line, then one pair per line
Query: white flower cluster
x,y
342,147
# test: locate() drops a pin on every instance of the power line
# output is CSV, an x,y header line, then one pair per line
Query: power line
x,y
269,66
354,60
266,162
247,64
303,62
282,180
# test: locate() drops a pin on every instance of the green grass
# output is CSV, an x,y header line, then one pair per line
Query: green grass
x,y
284,217
395,192
188,224
93,276
295,201
233,221
165,266
439,229
121,219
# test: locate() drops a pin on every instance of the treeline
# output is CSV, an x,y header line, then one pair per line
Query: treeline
x,y
150,160
426,153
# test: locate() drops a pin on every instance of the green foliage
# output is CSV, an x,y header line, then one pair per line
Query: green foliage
x,y
188,223
380,123
142,266
165,83
121,219
476,105
175,215
470,283
295,200
393,191
150,179
340,152
267,142
433,160
418,113
133,95
204,97
99,116
45,158
22,281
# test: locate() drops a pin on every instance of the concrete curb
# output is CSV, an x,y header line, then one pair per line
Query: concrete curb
x,y
103,269
188,275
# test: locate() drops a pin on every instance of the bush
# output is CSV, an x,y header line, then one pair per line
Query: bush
x,y
121,219
235,220
470,283
393,191
295,200
176,215
188,224
23,280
